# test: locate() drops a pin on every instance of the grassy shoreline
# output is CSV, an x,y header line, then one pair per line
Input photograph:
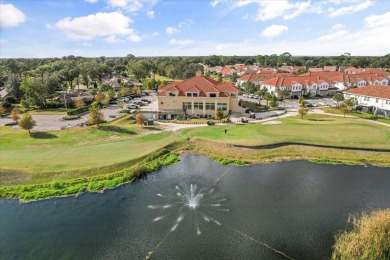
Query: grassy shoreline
x,y
87,159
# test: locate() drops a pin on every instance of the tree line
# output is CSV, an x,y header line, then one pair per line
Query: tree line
x,y
35,81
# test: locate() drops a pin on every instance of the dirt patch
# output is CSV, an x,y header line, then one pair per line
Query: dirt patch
x,y
272,122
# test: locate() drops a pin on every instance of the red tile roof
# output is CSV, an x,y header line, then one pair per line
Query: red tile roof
x,y
261,77
198,84
225,71
286,81
378,91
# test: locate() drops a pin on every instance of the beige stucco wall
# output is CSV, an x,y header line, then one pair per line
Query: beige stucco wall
x,y
167,103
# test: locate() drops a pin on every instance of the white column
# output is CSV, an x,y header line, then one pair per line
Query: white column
x,y
192,107
204,107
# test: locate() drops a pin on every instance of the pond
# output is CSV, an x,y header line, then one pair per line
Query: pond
x,y
198,209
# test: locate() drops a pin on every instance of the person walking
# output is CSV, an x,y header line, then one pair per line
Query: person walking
x,y
225,131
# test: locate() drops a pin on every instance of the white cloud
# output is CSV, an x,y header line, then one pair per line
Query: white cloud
x,y
10,16
91,1
332,36
132,6
350,9
271,9
97,25
112,39
134,38
273,31
156,34
171,30
181,42
337,27
300,9
150,14
214,2
186,23
378,20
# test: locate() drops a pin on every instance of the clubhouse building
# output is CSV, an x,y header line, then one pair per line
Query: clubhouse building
x,y
198,96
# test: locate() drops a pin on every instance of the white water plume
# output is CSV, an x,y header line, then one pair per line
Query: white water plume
x,y
189,200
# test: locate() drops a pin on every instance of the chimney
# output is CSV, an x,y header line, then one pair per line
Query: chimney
x,y
198,73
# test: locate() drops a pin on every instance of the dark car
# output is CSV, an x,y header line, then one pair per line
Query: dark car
x,y
140,103
146,100
309,105
113,102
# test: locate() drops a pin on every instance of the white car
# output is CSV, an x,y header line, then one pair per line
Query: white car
x,y
123,99
131,106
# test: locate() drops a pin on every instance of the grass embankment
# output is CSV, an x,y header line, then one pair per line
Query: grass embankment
x,y
72,159
315,129
362,115
92,184
368,239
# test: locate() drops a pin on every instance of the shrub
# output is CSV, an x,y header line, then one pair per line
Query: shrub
x,y
368,239
78,111
10,100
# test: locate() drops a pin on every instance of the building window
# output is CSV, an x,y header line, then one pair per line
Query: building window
x,y
377,100
187,105
172,94
198,105
387,102
210,106
213,95
189,94
222,106
366,99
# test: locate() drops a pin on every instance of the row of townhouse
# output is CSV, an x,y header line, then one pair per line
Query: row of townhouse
x,y
344,81
372,98
298,86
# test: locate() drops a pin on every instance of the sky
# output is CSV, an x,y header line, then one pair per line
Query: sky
x,y
116,28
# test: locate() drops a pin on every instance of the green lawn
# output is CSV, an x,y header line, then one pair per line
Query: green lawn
x,y
67,153
313,129
159,77
91,151
334,110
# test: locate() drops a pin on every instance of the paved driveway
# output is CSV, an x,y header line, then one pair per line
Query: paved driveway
x,y
55,122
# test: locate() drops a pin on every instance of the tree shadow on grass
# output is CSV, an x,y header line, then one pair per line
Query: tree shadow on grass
x,y
43,135
319,119
116,129
153,128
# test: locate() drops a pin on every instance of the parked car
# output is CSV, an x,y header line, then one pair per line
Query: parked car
x,y
321,104
131,106
123,99
113,102
140,103
310,105
146,100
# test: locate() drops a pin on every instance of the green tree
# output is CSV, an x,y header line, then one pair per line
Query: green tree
x,y
95,115
15,115
273,101
267,97
303,111
140,119
283,93
219,114
339,97
348,105
302,102
110,94
12,85
27,122
36,93
79,102
2,110
139,69
99,97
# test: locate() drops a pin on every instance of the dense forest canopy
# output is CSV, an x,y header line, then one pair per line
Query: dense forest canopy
x,y
38,79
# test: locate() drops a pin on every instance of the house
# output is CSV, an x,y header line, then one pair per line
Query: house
x,y
71,97
198,96
298,86
352,70
316,69
372,98
330,68
227,71
257,79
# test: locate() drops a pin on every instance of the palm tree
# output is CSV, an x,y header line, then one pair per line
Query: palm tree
x,y
283,93
267,97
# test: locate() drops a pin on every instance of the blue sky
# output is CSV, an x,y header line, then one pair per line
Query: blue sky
x,y
92,28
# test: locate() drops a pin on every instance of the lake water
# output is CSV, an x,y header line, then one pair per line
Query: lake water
x,y
265,211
